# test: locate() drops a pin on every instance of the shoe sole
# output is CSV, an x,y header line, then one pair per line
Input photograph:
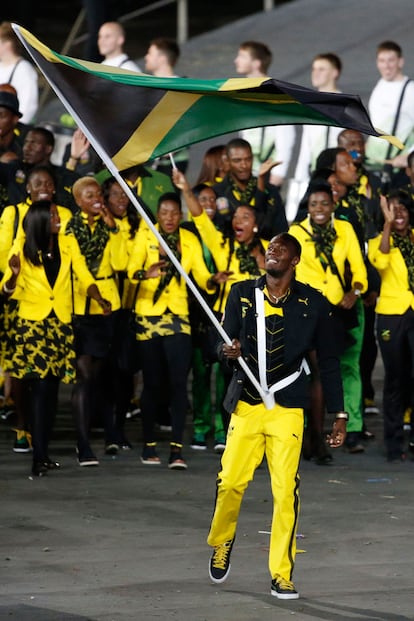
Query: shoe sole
x,y
196,447
90,462
22,450
151,462
284,595
178,465
218,580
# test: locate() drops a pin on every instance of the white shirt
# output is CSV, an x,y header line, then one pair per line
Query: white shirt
x,y
25,81
123,62
315,138
275,141
382,107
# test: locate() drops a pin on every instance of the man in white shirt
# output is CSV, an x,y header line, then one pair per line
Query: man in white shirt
x,y
391,88
111,40
276,141
160,60
19,72
326,69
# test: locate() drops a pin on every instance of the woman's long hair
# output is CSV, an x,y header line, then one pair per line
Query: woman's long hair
x,y
36,225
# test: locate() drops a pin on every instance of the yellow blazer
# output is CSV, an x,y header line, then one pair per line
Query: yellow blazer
x,y
346,247
395,296
174,297
220,250
35,295
114,259
129,291
9,219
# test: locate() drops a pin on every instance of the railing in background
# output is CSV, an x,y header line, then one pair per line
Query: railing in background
x,y
182,20
74,38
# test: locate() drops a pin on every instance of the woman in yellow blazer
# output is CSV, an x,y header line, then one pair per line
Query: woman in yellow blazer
x,y
105,253
392,254
39,278
123,361
162,321
332,262
240,253
40,186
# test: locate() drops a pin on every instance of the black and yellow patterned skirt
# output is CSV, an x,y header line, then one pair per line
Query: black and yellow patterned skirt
x,y
41,348
150,327
7,332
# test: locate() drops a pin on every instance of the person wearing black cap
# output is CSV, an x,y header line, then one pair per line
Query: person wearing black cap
x,y
10,128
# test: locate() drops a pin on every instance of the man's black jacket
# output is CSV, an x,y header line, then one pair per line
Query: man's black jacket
x,y
308,325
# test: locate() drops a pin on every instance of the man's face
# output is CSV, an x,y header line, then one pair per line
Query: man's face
x,y
389,64
8,121
323,74
110,40
280,257
240,163
35,149
353,142
152,59
345,169
244,62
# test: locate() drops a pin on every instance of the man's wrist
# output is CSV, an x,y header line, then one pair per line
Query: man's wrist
x,y
342,416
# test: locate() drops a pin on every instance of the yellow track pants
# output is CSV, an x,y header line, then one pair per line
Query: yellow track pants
x,y
254,432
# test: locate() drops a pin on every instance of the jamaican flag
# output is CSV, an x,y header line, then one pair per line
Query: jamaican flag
x,y
136,118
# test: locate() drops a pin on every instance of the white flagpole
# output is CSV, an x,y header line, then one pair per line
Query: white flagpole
x,y
135,201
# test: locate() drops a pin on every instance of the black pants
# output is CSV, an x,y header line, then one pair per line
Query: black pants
x,y
40,398
368,353
396,341
166,362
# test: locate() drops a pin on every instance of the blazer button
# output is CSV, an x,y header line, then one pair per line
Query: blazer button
x,y
240,381
51,297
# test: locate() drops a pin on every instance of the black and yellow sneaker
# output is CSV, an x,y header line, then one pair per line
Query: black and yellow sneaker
x,y
23,441
283,589
219,566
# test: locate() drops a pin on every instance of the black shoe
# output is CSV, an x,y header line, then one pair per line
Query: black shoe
x,y
111,448
219,566
39,469
51,465
283,589
87,458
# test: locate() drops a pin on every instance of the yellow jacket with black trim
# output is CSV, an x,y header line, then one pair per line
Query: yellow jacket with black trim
x,y
220,251
114,259
11,226
174,297
346,248
36,298
395,296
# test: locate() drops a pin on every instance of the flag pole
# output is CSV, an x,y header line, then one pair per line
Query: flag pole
x,y
265,395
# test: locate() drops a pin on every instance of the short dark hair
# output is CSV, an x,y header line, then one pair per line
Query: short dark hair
x,y
258,51
332,58
46,133
169,47
390,46
169,196
327,157
237,143
319,185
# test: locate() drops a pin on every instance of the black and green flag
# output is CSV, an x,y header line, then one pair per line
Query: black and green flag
x,y
135,117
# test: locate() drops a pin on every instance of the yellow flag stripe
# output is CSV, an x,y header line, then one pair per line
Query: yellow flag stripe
x,y
154,128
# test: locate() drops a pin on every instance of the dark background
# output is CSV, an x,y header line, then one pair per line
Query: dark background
x,y
51,21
